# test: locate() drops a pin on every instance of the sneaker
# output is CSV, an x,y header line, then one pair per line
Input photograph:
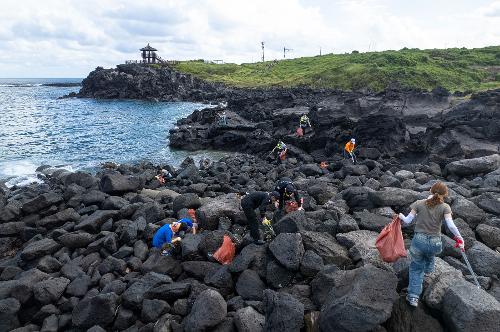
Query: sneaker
x,y
259,242
413,301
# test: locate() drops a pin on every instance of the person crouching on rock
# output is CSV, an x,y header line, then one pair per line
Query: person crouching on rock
x,y
166,237
286,189
349,148
257,200
426,244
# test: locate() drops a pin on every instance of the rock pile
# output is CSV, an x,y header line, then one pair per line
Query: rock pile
x,y
75,252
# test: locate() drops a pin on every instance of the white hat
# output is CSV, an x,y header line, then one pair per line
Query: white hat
x,y
353,140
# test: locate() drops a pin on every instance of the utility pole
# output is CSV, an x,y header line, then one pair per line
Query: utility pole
x,y
262,51
286,50
320,51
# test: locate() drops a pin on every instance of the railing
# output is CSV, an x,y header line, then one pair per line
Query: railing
x,y
158,61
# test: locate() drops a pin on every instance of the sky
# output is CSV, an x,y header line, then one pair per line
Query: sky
x,y
69,38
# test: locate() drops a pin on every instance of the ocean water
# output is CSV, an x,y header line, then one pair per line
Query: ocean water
x,y
37,128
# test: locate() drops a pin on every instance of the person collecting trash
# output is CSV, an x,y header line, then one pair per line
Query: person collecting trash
x,y
282,150
426,243
349,148
166,237
304,123
257,200
286,189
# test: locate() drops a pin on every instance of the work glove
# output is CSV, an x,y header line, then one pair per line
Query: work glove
x,y
459,243
266,222
300,208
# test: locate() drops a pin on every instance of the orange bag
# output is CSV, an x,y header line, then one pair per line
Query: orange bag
x,y
283,155
390,242
299,132
225,254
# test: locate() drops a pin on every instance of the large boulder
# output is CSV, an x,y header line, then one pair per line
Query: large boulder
x,y
76,239
467,210
249,286
94,222
438,282
360,300
489,202
41,202
362,247
116,184
467,167
290,223
58,219
97,310
208,310
371,221
357,197
188,201
327,247
8,314
484,261
50,290
288,249
393,197
39,248
222,206
489,235
283,312
407,319
467,308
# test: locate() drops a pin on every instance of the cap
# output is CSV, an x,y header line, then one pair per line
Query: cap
x,y
275,194
353,140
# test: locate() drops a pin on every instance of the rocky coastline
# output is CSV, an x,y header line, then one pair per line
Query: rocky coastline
x,y
75,252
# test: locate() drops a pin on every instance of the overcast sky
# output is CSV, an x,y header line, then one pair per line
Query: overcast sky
x,y
65,38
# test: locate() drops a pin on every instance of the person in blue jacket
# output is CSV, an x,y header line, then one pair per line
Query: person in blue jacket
x,y
167,235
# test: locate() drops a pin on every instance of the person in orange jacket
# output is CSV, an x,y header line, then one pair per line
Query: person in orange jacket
x,y
350,147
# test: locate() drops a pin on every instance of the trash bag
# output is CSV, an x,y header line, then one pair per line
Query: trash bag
x,y
192,214
283,155
299,132
390,242
225,254
291,206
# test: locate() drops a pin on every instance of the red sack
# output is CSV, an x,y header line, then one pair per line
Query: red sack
x,y
283,155
390,242
299,132
291,206
192,214
225,254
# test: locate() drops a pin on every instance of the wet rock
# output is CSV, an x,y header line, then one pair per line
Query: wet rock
x,y
208,310
360,300
283,312
288,249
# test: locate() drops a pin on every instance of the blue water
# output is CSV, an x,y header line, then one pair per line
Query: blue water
x,y
37,129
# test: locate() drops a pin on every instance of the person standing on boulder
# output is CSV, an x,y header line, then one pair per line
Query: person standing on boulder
x,y
304,123
256,200
349,148
426,244
286,189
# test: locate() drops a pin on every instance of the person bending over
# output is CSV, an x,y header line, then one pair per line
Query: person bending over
x,y
256,200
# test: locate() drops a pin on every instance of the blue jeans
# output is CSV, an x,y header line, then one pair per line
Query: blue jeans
x,y
423,250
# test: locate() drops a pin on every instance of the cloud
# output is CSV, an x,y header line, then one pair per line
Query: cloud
x,y
70,38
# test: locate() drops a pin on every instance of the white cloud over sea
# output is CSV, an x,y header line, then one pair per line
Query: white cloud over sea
x,y
66,38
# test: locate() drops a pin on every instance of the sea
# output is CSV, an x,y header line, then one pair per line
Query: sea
x,y
37,128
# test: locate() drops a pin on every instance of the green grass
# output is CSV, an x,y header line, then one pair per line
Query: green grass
x,y
456,69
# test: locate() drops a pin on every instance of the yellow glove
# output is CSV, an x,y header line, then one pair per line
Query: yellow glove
x,y
266,222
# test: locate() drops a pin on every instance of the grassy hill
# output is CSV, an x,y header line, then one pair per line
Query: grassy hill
x,y
457,69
